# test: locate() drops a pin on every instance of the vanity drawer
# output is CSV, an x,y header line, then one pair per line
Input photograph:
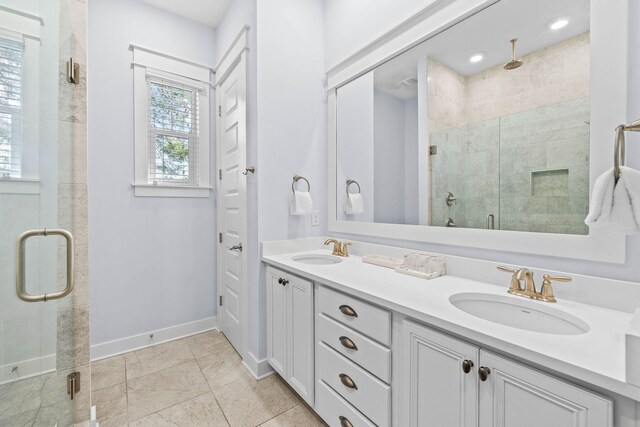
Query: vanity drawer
x,y
372,321
334,409
367,353
368,394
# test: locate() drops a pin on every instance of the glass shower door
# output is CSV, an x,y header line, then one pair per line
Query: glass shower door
x,y
44,343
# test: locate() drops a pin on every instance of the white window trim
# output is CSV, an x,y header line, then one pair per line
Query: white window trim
x,y
147,62
25,28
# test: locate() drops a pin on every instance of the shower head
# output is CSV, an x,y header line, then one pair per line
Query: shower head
x,y
514,63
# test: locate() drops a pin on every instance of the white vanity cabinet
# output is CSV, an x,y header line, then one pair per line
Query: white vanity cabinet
x,y
442,385
290,334
353,369
439,377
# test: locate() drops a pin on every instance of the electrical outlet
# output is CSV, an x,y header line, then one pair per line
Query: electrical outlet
x,y
315,218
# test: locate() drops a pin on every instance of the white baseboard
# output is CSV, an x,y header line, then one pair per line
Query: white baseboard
x,y
27,368
135,342
258,368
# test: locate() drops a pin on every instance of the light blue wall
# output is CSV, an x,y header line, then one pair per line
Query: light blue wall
x,y
150,259
291,123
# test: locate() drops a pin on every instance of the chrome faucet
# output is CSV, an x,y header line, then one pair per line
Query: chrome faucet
x,y
529,289
339,248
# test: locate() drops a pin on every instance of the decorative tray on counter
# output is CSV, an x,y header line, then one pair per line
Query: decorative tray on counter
x,y
383,261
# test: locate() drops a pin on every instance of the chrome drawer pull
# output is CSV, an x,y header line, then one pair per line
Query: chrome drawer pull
x,y
348,311
347,381
346,342
344,422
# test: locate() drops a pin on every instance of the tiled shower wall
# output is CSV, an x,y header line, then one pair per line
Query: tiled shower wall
x,y
530,170
72,353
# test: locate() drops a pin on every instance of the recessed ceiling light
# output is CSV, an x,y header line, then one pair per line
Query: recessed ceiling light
x,y
559,23
476,57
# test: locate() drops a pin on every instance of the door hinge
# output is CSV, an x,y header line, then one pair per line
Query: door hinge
x,y
220,237
219,110
220,303
73,384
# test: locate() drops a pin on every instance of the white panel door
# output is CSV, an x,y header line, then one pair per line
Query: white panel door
x,y
436,389
232,198
301,337
277,323
514,395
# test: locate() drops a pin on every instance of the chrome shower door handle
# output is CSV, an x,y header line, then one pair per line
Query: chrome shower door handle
x,y
21,288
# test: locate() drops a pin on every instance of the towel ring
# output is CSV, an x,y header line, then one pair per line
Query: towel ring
x,y
351,181
297,178
619,151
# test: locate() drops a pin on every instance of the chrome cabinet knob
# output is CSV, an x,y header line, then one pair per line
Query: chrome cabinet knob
x,y
346,342
348,311
347,381
483,373
467,365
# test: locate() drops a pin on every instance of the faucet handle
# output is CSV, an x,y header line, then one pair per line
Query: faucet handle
x,y
515,287
345,250
546,292
507,269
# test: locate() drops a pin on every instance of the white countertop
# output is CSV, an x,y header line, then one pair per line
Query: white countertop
x,y
596,357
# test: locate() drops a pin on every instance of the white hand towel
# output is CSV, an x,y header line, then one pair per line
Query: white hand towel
x,y
616,207
354,205
301,203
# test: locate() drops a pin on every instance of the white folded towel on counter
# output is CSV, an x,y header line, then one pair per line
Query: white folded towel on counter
x,y
616,207
301,203
354,204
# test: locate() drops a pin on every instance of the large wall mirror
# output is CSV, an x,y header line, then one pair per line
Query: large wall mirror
x,y
485,125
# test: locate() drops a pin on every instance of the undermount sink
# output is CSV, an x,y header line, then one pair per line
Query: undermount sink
x,y
521,314
317,259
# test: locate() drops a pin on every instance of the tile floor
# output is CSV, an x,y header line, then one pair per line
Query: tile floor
x,y
195,381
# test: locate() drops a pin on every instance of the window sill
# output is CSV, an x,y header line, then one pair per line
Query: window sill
x,y
19,186
150,190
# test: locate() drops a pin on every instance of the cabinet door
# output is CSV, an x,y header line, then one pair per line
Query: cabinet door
x,y
436,390
300,336
276,321
515,395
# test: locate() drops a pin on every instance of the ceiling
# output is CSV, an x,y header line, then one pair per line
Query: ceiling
x,y
207,12
488,31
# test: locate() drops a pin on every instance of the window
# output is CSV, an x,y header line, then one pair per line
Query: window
x,y
10,108
172,146
173,132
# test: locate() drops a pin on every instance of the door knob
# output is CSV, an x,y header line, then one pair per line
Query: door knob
x,y
466,366
483,373
237,247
